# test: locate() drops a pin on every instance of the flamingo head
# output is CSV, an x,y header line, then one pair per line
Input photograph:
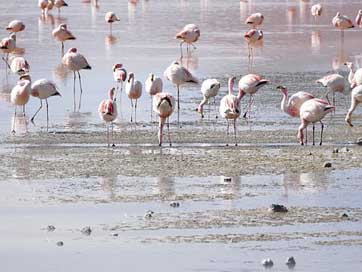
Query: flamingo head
x,y
151,76
117,66
112,94
360,12
231,83
283,89
13,36
130,76
175,63
72,50
338,14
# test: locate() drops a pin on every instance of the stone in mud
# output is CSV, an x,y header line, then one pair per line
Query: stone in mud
x,y
148,214
86,230
175,204
60,243
335,150
278,208
115,234
359,141
267,263
327,165
344,215
345,150
227,179
51,228
290,262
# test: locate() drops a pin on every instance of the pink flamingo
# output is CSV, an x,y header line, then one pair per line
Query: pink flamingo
x,y
45,5
134,92
15,26
62,34
209,89
354,76
312,111
359,18
333,83
76,62
59,4
255,19
342,22
119,74
19,65
316,10
20,96
107,111
250,84
356,98
189,35
252,37
291,105
7,45
43,89
153,86
230,107
110,18
163,105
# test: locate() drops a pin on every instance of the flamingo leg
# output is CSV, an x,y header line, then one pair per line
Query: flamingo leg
x,y
151,109
178,104
74,103
181,48
135,112
62,48
107,134
160,131
41,105
131,111
113,145
227,133
236,143
306,135
313,133
348,118
6,62
24,110
47,106
168,131
81,91
13,125
322,127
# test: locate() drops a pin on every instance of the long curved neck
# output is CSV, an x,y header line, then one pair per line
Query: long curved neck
x,y
203,102
284,103
231,86
351,75
240,95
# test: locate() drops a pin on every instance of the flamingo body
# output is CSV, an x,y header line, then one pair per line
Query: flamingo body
x,y
8,44
251,83
178,74
111,17
19,65
153,85
255,19
316,10
163,106
15,26
358,20
209,89
75,61
253,35
189,34
291,105
62,34
334,83
43,89
133,87
355,76
342,22
20,94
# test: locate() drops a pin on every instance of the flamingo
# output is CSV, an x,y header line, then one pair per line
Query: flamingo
x,y
252,37
7,45
134,92
153,85
333,83
19,65
76,62
163,105
59,4
15,26
255,19
209,89
189,35
342,22
107,111
312,111
62,34
292,105
250,84
359,18
316,10
356,98
20,96
230,107
355,76
119,74
110,18
178,75
45,5
43,89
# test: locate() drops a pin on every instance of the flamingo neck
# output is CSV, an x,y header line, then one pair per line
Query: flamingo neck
x,y
351,75
203,102
231,86
241,94
284,103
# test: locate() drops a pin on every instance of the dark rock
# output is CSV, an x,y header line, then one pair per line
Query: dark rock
x,y
175,204
51,228
227,179
335,150
327,165
60,243
290,262
86,230
278,208
344,215
267,263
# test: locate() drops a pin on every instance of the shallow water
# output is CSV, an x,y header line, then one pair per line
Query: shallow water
x,y
144,42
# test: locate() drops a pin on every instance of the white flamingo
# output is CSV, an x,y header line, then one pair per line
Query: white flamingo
x,y
107,111
356,98
334,83
354,76
358,20
59,4
134,92
189,35
209,89
7,45
62,34
19,65
153,86
255,19
15,26
316,10
342,22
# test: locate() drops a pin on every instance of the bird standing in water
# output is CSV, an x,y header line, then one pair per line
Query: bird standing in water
x,y
189,35
209,89
107,111
153,86
163,105
134,92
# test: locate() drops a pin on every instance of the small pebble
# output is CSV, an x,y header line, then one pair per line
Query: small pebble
x,y
359,141
51,228
278,208
344,215
148,214
290,262
335,150
267,263
345,150
227,179
86,230
327,165
175,204
60,243
115,234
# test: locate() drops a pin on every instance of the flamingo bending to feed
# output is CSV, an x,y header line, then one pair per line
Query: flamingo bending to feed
x,y
62,34
230,107
59,4
7,45
312,111
354,76
291,105
76,62
255,19
107,111
43,89
333,83
189,35
342,22
20,95
110,18
153,86
358,20
134,92
163,105
178,75
15,26
252,37
209,89
316,10
356,98
250,84
19,65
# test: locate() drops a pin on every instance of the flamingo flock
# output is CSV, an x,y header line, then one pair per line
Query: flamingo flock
x,y
303,105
